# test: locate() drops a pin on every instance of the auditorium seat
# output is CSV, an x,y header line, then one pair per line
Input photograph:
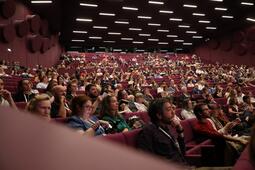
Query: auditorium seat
x,y
21,105
221,101
178,113
189,137
117,138
60,120
130,137
244,162
142,115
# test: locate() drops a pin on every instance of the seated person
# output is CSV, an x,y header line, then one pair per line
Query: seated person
x,y
40,105
123,95
43,82
83,120
24,91
59,107
109,112
233,109
187,111
71,90
139,103
5,96
206,128
252,147
157,137
147,95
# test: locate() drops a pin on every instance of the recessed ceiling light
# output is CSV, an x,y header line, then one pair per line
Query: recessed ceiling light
x,y
191,32
163,51
121,22
247,3
250,19
211,28
165,12
130,8
178,49
114,33
127,39
41,2
145,35
189,6
163,30
137,42
178,40
80,32
109,41
106,14
198,14
84,19
88,5
156,2
197,37
75,47
183,26
153,39
187,43
144,17
162,43
135,29
227,16
139,50
117,50
221,9
172,36
175,19
154,24
100,27
96,38
217,0
204,21
75,40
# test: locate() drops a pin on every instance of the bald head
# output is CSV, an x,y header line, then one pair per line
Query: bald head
x,y
59,91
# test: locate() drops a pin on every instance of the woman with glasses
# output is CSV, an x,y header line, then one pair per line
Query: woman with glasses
x,y
83,120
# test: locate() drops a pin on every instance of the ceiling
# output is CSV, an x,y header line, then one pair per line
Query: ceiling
x,y
153,29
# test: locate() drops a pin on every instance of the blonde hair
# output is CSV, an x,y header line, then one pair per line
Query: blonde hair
x,y
31,106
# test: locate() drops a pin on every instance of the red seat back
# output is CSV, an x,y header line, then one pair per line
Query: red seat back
x,y
130,137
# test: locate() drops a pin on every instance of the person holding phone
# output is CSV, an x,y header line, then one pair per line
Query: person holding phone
x,y
158,137
83,120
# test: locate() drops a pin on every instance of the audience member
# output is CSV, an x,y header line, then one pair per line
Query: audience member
x,y
109,112
82,119
40,105
157,138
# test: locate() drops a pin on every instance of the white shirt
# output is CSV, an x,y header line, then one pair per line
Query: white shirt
x,y
141,107
187,114
41,85
4,102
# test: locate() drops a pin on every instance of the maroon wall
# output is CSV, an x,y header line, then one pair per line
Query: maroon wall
x,y
235,48
21,46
